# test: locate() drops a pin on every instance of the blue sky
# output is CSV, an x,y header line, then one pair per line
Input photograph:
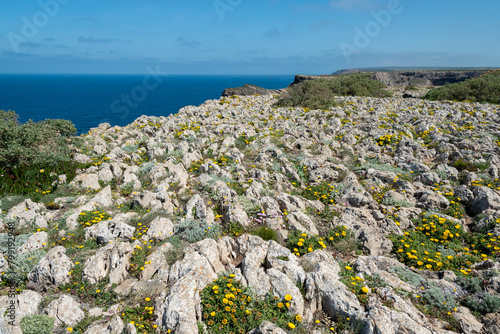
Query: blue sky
x,y
245,36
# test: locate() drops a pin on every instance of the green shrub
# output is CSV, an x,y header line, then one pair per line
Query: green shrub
x,y
33,154
230,307
89,218
195,230
393,202
301,243
436,298
141,316
41,143
338,233
323,192
22,264
471,284
319,94
487,304
37,324
266,233
483,89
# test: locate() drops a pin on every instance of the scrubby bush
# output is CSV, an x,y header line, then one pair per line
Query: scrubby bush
x,y
487,304
482,89
22,264
33,143
320,94
37,324
33,154
195,230
266,233
301,243
230,307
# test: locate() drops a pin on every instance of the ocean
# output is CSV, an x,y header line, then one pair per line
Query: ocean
x,y
88,100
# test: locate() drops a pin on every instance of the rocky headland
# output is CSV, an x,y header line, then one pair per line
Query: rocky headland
x,y
378,216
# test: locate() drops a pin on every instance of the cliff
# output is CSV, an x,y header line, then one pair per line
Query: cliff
x,y
405,78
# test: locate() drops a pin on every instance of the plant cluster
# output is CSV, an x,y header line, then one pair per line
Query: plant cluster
x,y
301,243
320,93
98,294
324,192
194,230
89,218
481,89
437,243
37,324
141,316
230,307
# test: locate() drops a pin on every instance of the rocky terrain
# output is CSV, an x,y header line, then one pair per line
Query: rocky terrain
x,y
380,216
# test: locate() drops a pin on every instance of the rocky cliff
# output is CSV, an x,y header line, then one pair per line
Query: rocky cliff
x,y
406,78
379,216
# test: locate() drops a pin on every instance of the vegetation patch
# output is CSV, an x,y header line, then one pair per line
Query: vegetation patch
x,y
230,307
437,243
482,89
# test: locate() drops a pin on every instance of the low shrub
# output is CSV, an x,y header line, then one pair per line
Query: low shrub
x,y
37,324
324,192
487,304
266,233
482,89
230,307
194,230
141,316
301,243
319,94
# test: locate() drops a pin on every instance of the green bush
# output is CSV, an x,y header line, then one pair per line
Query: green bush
x,y
488,304
230,307
301,243
22,264
33,143
33,154
266,233
194,230
482,89
37,324
320,94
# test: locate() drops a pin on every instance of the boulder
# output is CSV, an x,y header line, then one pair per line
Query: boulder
x,y
53,268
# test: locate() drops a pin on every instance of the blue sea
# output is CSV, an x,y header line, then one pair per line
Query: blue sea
x,y
88,100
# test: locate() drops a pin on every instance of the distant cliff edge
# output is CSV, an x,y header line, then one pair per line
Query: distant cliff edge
x,y
405,78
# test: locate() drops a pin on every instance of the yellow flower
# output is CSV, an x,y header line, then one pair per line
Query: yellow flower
x,y
292,326
288,298
212,314
41,171
300,244
348,268
365,289
147,299
97,291
69,329
224,321
280,305
450,257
